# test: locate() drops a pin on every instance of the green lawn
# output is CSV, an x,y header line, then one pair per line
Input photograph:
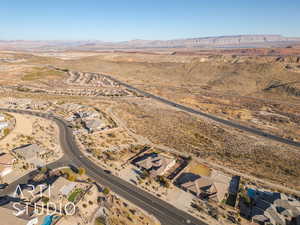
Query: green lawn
x,y
74,194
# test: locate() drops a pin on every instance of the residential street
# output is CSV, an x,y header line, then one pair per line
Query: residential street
x,y
164,212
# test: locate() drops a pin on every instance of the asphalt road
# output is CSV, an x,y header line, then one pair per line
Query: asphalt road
x,y
230,123
163,211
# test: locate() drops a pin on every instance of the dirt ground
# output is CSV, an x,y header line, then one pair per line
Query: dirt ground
x,y
213,142
23,127
230,86
31,130
116,210
257,91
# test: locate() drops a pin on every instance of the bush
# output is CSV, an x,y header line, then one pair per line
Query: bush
x,y
163,181
106,191
45,200
111,135
144,174
100,221
23,89
6,131
71,177
44,170
81,171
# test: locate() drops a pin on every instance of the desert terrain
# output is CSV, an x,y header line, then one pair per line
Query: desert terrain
x,y
258,88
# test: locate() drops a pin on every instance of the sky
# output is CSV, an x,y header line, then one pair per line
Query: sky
x,y
145,19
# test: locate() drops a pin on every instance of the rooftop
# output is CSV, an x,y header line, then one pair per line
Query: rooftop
x,y
61,186
275,206
29,152
215,185
156,164
93,123
67,189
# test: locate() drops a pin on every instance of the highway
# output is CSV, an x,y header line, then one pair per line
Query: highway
x,y
229,123
163,211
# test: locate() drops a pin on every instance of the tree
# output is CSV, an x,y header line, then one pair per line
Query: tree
x,y
140,180
6,131
144,174
81,171
71,176
106,191
163,181
45,200
189,158
166,184
100,221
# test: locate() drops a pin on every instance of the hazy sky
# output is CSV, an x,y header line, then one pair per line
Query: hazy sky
x,y
145,19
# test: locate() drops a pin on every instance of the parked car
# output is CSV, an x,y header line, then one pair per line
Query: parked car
x,y
4,200
107,171
133,181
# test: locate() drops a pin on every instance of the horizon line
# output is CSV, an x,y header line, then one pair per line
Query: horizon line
x,y
138,39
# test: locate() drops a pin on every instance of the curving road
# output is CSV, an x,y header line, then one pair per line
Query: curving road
x,y
230,123
163,211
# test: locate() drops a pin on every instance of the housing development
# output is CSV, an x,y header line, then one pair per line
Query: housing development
x,y
187,126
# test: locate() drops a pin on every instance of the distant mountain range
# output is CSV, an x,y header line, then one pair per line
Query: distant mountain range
x,y
236,41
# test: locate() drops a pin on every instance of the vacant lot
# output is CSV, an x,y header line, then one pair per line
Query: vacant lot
x,y
213,142
42,73
233,87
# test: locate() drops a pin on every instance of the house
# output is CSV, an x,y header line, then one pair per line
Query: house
x,y
19,103
199,186
70,107
6,162
214,186
67,189
71,118
155,164
85,114
273,207
94,125
92,114
31,153
260,219
61,187
205,188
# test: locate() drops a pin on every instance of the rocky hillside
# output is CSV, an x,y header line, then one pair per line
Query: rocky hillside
x,y
203,42
221,41
247,75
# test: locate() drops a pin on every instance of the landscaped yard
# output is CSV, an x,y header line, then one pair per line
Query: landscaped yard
x,y
74,195
199,169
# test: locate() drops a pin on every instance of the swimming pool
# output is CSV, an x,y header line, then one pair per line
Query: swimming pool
x,y
251,192
48,220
